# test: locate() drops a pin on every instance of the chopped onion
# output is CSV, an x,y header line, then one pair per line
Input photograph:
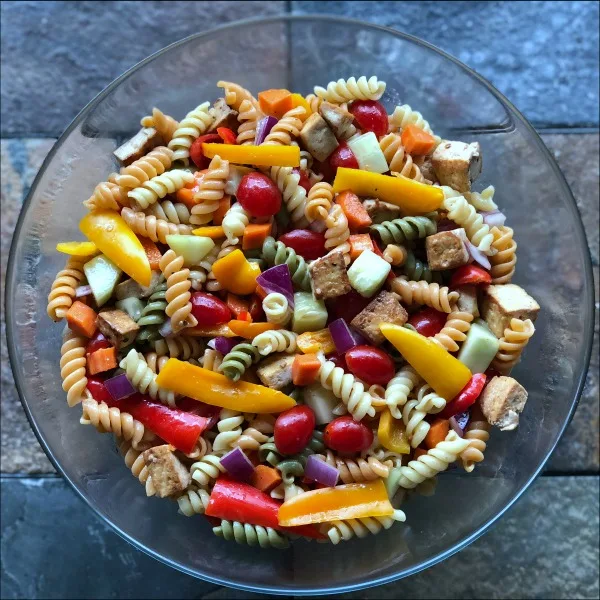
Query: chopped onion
x,y
318,470
236,174
222,344
238,465
493,218
343,336
166,329
119,387
83,290
263,129
278,280
478,256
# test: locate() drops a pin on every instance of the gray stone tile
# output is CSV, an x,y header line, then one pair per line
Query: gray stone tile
x,y
56,56
542,55
53,547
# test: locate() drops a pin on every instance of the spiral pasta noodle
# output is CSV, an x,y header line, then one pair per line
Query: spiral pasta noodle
x,y
158,187
264,423
238,359
512,344
179,307
504,261
351,89
73,367
277,253
275,340
250,440
395,254
399,388
319,201
478,434
155,362
206,470
429,401
149,226
342,531
193,501
153,314
416,269
414,421
63,287
107,195
143,378
235,222
177,213
252,535
153,164
337,232
164,124
276,308
211,360
462,213
248,117
235,95
182,347
357,470
293,194
230,430
134,461
455,329
286,128
398,159
404,115
428,294
195,123
400,231
210,191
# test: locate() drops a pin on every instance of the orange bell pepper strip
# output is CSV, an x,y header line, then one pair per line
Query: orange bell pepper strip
x,y
263,156
412,197
236,274
215,331
392,434
114,238
311,342
351,501
214,232
357,215
417,141
249,330
255,234
444,373
217,390
77,248
437,433
275,102
359,242
300,100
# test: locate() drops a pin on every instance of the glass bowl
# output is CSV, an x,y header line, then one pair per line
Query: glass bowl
x,y
297,53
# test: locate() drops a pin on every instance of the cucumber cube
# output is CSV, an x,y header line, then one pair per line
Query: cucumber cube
x,y
132,306
368,272
310,314
480,347
193,248
321,401
368,153
102,275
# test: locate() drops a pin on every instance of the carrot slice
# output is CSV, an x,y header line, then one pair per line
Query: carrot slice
x,y
152,252
102,360
358,217
437,432
255,235
417,141
305,369
359,242
81,319
275,102
224,206
265,478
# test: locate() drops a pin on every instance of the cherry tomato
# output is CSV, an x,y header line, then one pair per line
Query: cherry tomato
x,y
304,180
196,153
370,116
466,397
226,135
428,321
347,306
209,310
344,434
308,244
339,360
256,310
372,365
470,274
97,389
342,156
293,429
259,195
98,342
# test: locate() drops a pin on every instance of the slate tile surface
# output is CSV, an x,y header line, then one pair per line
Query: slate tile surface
x,y
541,55
563,511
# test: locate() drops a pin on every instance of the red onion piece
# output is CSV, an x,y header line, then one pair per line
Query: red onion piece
x,y
238,465
446,225
343,336
493,218
318,470
478,256
119,387
263,128
83,290
166,329
278,280
222,344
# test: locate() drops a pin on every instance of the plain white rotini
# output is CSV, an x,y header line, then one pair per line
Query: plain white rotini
x,y
275,340
286,128
134,461
504,261
429,401
512,344
153,164
63,287
172,212
455,329
143,378
342,531
465,215
230,430
195,123
351,89
183,347
149,226
404,115
414,421
235,221
428,294
294,195
398,159
164,124
158,187
277,308
338,232
193,501
107,194
179,307
206,470
73,367
210,191
248,118
319,201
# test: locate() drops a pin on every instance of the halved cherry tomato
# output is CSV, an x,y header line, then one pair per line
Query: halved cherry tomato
x,y
342,156
226,135
372,365
196,153
98,342
293,429
308,244
209,310
428,321
347,306
370,115
304,180
259,195
344,434
97,389
467,396
470,274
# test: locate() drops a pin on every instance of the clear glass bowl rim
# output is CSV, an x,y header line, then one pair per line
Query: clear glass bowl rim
x,y
587,301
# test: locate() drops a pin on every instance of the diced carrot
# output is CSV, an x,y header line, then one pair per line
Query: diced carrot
x,y
437,432
81,319
255,235
224,206
260,292
417,141
102,360
152,252
250,330
227,135
275,102
187,193
265,478
358,217
305,369
358,243
419,452
237,305
213,232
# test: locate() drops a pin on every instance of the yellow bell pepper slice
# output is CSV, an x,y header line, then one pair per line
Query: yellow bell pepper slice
x,y
444,373
249,330
115,239
236,274
77,248
391,433
311,342
412,197
300,100
217,390
351,501
264,156
214,232
216,331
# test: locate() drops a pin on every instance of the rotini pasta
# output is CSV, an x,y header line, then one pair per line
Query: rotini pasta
x,y
395,254
134,461
236,94
144,378
248,117
179,307
408,229
195,123
342,531
478,434
155,163
319,201
210,191
357,470
398,159
158,187
399,388
230,430
206,470
351,89
235,221
337,233
176,213
212,360
193,501
253,535
504,261
151,227
512,344
164,124
275,340
251,439
63,287
404,115
414,421
455,330
294,195
182,346
417,270
462,213
421,292
107,195
277,308
236,361
277,253
72,367
429,401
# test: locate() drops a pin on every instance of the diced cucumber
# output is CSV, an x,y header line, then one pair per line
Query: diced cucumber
x,y
321,401
310,314
368,272
132,306
102,275
480,347
368,153
193,248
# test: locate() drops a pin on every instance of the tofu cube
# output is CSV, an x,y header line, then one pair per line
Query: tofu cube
x,y
380,211
129,287
118,327
425,165
384,308
502,401
140,144
467,301
457,164
446,250
337,118
169,475
224,115
329,276
317,138
276,371
501,303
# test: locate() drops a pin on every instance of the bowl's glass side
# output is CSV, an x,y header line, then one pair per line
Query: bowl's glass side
x,y
552,266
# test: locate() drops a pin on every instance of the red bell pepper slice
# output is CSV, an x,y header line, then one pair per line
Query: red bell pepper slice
x,y
97,389
177,427
428,321
236,501
470,274
189,405
227,135
466,397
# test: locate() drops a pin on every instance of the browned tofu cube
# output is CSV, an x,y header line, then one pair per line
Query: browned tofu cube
x,y
501,303
339,120
224,115
467,301
425,165
384,308
446,250
329,276
380,211
169,475
457,164
317,138
140,144
276,371
129,287
502,401
118,327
